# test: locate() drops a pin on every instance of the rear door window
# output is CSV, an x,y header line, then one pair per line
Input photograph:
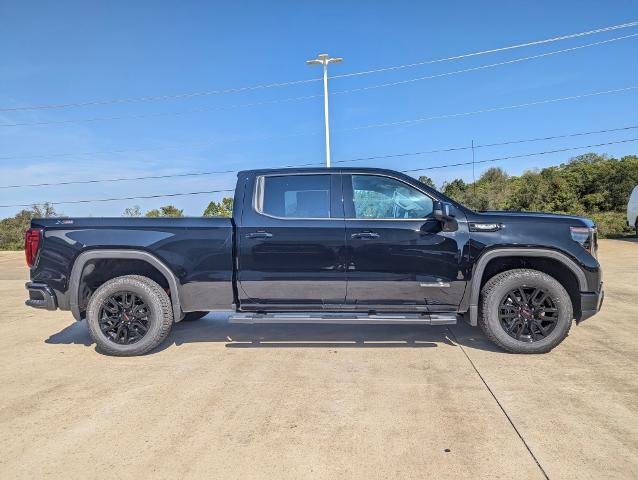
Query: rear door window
x,y
294,196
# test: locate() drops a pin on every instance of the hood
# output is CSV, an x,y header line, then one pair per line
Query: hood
x,y
537,216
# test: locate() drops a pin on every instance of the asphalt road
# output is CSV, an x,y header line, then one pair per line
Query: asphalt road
x,y
239,401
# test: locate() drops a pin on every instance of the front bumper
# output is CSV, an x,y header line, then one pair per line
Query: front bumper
x,y
40,296
590,303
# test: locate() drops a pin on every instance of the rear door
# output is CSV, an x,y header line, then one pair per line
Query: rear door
x,y
398,256
292,242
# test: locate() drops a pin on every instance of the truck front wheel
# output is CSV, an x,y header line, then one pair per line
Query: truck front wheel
x,y
129,315
525,311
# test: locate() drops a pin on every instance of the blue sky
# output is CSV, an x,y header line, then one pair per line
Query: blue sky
x,y
67,52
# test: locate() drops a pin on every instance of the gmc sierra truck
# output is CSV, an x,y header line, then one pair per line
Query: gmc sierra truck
x,y
334,246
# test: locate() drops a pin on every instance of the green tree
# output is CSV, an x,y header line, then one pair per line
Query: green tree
x,y
427,180
133,211
165,211
593,185
45,210
220,209
12,229
457,190
491,191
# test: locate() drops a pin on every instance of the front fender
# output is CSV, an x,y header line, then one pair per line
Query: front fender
x,y
485,258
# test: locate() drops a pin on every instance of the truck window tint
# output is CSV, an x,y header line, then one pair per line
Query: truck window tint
x,y
297,196
383,197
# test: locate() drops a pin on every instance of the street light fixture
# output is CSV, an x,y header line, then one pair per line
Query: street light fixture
x,y
324,59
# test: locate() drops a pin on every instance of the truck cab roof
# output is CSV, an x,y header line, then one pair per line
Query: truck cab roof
x,y
313,170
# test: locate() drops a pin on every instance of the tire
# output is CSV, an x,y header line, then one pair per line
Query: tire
x,y
192,316
152,305
502,309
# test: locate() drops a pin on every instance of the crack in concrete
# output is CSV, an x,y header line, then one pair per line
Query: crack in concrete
x,y
509,419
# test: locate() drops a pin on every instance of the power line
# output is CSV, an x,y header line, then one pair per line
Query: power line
x,y
151,98
118,198
511,157
495,50
406,122
486,145
359,159
404,171
102,152
481,67
150,149
308,97
122,179
488,110
162,114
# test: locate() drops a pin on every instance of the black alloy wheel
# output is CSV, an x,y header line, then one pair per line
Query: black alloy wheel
x,y
124,318
528,314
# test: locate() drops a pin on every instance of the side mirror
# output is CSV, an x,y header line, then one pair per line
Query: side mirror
x,y
442,211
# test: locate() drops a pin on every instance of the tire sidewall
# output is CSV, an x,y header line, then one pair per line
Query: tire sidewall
x,y
559,296
142,290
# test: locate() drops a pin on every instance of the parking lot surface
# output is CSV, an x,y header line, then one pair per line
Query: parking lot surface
x,y
218,400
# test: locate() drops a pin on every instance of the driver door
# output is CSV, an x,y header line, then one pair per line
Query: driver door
x,y
398,257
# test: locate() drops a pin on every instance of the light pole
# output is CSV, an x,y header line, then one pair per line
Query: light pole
x,y
324,59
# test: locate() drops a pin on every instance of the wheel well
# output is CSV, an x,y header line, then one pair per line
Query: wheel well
x,y
99,271
550,266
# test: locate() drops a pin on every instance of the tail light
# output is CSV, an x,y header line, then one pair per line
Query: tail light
x,y
587,237
31,244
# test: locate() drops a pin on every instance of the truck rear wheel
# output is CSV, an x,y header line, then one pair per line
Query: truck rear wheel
x,y
129,315
525,311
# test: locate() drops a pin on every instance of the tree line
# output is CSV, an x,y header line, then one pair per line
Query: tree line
x,y
12,229
593,185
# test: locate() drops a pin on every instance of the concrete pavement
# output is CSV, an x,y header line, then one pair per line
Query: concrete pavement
x,y
303,401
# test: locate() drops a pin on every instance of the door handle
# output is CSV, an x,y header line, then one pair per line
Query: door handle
x,y
364,235
259,235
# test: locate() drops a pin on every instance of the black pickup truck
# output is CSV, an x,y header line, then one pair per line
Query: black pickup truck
x,y
348,245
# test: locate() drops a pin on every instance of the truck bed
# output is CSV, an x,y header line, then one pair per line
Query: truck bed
x,y
198,251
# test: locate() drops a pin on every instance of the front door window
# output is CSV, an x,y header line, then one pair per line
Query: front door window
x,y
377,197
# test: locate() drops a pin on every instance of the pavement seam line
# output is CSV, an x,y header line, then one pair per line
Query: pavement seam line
x,y
509,419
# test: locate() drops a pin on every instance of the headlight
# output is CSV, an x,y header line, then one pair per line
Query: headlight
x,y
587,237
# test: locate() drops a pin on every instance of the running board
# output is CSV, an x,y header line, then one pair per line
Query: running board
x,y
346,318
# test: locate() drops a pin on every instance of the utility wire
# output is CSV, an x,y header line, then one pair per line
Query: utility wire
x,y
448,165
360,159
495,50
488,110
162,114
151,98
154,98
308,97
362,127
486,145
122,179
166,147
404,171
481,67
119,198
